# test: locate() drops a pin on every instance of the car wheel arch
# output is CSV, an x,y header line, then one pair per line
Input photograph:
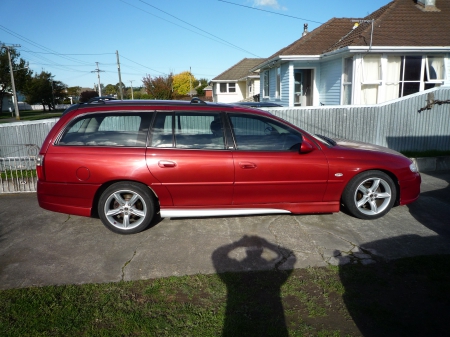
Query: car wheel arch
x,y
104,186
389,173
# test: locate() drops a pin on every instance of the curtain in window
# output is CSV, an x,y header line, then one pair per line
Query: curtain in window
x,y
371,79
435,68
392,77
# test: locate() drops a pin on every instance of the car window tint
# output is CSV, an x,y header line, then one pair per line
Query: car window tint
x,y
107,130
188,130
258,133
198,131
162,131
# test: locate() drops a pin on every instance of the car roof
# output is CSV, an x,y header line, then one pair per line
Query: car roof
x,y
111,102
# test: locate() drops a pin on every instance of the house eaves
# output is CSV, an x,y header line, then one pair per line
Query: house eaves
x,y
386,49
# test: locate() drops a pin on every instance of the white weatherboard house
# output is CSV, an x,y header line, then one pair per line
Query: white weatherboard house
x,y
400,49
237,83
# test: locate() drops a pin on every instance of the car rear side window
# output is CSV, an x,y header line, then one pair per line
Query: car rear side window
x,y
188,130
107,130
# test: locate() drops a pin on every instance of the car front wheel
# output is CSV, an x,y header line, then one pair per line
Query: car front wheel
x,y
126,207
369,195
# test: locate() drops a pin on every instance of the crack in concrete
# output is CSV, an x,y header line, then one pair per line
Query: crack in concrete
x,y
134,254
126,264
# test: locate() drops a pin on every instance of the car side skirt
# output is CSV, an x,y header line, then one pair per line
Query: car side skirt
x,y
303,208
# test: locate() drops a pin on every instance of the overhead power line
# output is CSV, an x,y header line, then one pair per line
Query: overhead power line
x,y
264,10
208,35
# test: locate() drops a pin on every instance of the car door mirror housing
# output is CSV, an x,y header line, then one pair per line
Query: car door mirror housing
x,y
306,147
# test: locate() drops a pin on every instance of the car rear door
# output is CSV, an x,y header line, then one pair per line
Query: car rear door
x,y
189,157
268,165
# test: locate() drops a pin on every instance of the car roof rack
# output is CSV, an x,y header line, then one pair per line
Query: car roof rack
x,y
101,99
197,100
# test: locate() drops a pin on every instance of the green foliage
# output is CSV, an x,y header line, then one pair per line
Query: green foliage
x,y
21,73
158,87
87,95
42,89
183,83
110,89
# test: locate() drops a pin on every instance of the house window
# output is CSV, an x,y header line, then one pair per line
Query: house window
x,y
407,75
278,93
347,81
266,78
227,87
371,79
434,75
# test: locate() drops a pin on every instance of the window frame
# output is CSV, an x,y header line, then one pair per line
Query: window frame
x,y
176,125
266,87
141,134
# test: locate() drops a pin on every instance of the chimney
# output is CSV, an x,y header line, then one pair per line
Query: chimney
x,y
305,29
428,5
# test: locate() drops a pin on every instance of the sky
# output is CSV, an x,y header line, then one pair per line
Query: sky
x,y
158,37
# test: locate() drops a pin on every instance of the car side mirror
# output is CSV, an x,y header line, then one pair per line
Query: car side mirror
x,y
306,147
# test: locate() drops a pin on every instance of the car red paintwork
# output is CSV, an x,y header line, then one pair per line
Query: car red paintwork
x,y
205,182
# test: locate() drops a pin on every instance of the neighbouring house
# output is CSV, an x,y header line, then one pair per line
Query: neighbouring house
x,y
237,83
400,49
208,91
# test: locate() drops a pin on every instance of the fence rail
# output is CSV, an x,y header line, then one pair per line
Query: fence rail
x,y
18,174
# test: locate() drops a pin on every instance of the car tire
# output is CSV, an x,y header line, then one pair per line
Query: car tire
x,y
126,207
369,195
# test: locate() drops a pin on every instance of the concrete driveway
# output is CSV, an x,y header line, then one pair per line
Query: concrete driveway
x,y
39,247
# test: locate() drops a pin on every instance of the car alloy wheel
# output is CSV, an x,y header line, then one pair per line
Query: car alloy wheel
x,y
126,208
370,195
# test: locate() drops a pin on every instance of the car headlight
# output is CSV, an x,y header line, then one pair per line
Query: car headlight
x,y
413,168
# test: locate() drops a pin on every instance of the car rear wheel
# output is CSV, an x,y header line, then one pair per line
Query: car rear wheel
x,y
369,195
126,207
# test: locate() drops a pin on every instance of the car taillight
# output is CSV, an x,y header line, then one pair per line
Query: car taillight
x,y
40,167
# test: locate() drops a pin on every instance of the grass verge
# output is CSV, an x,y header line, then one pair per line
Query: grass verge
x,y
31,115
407,297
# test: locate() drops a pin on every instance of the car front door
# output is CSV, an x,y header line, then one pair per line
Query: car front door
x,y
269,167
188,156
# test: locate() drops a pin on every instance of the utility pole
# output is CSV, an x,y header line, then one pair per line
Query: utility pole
x,y
13,86
98,75
190,82
120,77
132,96
53,94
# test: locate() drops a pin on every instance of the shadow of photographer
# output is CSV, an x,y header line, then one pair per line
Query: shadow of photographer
x,y
254,270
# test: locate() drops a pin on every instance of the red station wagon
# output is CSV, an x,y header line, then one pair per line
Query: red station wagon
x,y
127,161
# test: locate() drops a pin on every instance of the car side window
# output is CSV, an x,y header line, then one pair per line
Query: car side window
x,y
107,130
188,130
258,133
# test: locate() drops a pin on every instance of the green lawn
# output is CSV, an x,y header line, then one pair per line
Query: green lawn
x,y
31,115
406,297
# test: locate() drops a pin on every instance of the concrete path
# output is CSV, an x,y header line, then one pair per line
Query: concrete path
x,y
39,247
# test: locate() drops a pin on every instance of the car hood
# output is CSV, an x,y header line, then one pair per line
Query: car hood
x,y
364,146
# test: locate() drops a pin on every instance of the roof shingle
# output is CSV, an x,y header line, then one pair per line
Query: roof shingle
x,y
239,70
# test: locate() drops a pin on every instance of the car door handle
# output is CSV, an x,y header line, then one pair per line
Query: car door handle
x,y
166,163
247,165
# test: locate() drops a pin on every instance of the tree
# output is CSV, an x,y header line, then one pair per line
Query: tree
x,y
202,84
110,89
159,87
87,95
73,92
21,73
42,89
183,83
